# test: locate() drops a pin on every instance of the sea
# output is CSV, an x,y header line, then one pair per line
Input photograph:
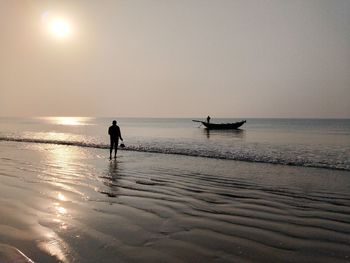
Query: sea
x,y
319,143
277,190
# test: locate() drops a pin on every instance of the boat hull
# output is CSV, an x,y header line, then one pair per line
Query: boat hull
x,y
223,126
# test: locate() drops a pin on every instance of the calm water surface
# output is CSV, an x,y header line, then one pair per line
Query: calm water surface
x,y
321,143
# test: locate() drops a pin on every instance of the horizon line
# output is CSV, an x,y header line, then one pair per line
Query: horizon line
x,y
164,117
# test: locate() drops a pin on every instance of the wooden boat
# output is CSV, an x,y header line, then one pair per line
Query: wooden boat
x,y
222,126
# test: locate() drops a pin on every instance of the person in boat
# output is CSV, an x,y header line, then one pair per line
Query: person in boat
x,y
115,135
208,119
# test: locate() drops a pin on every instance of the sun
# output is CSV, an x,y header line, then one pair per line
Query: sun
x,y
60,28
57,26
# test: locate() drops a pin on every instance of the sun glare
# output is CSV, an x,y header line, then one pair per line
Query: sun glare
x,y
70,121
58,26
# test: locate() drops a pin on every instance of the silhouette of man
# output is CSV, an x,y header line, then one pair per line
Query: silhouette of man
x,y
208,119
114,133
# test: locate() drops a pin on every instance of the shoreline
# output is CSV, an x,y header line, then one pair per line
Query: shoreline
x,y
169,152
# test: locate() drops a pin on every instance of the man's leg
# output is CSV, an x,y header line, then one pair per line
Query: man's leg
x,y
111,149
116,148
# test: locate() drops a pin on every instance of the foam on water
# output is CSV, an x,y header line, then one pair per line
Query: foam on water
x,y
291,157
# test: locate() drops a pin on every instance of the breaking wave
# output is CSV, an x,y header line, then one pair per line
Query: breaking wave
x,y
237,155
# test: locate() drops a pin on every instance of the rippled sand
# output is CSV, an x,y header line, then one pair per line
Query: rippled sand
x,y
71,204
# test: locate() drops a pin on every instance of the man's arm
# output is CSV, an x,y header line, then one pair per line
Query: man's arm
x,y
109,130
120,134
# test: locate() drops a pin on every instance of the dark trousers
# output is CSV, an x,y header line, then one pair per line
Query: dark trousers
x,y
114,144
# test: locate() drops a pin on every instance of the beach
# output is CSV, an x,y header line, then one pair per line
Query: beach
x,y
230,123
64,203
232,120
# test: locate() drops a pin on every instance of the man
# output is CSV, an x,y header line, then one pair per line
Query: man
x,y
114,133
208,119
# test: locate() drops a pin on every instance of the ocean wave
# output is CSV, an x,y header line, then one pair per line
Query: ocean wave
x,y
236,156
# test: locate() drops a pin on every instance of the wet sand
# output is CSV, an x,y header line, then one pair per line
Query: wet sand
x,y
71,204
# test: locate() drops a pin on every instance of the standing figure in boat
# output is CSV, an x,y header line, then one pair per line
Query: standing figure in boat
x,y
208,119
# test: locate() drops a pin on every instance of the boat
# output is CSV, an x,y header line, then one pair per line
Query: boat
x,y
222,126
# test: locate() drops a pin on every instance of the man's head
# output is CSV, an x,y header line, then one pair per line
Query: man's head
x,y
114,122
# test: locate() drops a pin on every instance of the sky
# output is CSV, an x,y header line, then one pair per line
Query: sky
x,y
175,58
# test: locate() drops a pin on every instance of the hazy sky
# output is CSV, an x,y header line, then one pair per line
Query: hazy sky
x,y
176,58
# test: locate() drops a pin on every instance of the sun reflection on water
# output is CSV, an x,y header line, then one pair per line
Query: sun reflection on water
x,y
55,247
61,171
61,210
61,197
63,157
71,121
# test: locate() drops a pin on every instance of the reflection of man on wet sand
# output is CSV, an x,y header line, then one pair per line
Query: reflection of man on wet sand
x,y
115,134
